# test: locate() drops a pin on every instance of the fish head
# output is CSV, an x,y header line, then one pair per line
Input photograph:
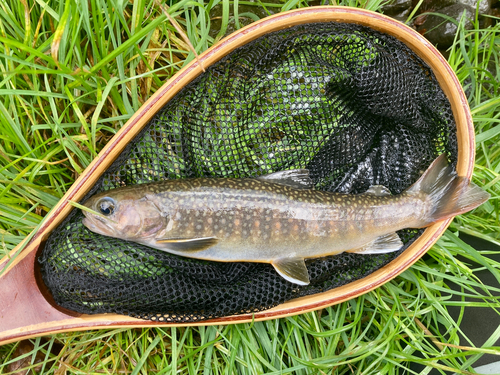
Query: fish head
x,y
122,214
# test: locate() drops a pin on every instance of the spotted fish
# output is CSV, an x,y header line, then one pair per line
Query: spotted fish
x,y
277,218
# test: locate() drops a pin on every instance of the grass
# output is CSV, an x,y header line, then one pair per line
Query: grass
x,y
73,72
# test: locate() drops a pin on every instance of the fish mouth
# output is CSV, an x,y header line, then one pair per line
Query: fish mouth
x,y
97,225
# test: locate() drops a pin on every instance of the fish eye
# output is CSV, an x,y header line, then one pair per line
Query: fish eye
x,y
106,206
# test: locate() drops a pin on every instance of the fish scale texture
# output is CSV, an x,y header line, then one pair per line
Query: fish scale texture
x,y
354,106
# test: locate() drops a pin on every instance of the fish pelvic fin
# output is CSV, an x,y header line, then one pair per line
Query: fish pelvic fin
x,y
387,243
187,244
448,194
292,269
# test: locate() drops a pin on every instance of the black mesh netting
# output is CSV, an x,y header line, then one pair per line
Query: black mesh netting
x,y
354,106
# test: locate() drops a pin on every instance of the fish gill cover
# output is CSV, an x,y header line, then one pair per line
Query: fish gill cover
x,y
354,106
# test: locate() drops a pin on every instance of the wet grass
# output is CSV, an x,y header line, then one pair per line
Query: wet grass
x,y
72,73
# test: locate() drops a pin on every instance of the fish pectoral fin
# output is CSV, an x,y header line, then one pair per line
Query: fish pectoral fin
x,y
292,269
188,244
384,244
378,190
296,178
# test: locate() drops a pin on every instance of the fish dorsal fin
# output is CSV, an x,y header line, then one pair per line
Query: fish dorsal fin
x,y
292,269
187,244
378,190
296,178
387,243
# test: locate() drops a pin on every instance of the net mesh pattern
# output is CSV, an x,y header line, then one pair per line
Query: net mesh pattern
x,y
354,106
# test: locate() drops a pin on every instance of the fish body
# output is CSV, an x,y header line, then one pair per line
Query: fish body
x,y
277,218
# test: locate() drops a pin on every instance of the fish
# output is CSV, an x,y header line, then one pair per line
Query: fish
x,y
277,218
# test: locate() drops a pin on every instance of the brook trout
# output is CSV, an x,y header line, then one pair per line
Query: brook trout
x,y
276,218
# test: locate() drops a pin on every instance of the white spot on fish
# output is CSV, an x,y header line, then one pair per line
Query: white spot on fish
x,y
170,225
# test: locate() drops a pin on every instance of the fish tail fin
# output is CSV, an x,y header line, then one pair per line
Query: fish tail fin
x,y
448,193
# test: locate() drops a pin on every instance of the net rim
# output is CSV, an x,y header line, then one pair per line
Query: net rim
x,y
418,44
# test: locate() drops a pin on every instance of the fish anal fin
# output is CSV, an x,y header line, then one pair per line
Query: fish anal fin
x,y
187,244
292,269
296,178
387,243
378,190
